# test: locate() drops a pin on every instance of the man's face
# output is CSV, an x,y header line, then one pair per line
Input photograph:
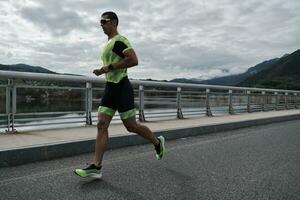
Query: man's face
x,y
106,24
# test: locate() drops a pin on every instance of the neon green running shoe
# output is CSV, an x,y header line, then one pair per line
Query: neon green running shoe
x,y
160,149
91,171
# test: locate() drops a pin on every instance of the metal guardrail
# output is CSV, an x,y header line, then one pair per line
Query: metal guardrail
x,y
154,99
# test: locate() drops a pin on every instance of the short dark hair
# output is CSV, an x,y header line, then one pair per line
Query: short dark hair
x,y
111,15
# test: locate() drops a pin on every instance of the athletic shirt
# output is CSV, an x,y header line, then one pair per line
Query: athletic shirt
x,y
113,52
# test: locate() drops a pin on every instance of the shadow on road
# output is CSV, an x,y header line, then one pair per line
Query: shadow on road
x,y
96,184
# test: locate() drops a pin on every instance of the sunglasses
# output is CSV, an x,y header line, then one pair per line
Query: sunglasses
x,y
104,21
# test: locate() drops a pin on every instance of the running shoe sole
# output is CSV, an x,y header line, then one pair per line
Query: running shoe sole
x,y
93,175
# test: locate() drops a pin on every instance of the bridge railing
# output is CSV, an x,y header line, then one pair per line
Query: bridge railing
x,y
36,100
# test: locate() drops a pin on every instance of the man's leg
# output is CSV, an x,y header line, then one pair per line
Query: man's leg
x,y
102,137
159,143
133,126
94,170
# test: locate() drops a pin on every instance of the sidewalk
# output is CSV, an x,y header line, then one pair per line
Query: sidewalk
x,y
58,142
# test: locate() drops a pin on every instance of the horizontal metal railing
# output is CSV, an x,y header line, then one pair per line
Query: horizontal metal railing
x,y
153,99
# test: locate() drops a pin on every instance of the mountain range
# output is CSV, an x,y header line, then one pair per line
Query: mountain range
x,y
281,73
284,74
25,68
234,79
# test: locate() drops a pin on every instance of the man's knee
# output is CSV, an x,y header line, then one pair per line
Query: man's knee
x,y
102,125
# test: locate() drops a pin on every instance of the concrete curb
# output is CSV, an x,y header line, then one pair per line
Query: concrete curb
x,y
20,156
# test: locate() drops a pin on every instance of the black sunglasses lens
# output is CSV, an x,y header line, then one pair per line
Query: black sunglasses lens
x,y
103,21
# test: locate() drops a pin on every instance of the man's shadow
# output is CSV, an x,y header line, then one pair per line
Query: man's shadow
x,y
184,182
95,184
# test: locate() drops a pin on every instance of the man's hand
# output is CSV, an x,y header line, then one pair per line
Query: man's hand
x,y
101,71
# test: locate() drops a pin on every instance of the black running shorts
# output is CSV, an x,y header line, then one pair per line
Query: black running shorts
x,y
118,96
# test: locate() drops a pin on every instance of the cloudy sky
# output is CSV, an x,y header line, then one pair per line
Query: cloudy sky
x,y
183,38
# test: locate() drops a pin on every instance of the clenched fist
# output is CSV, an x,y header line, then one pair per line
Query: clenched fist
x,y
101,71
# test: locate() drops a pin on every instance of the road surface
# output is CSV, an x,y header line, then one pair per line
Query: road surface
x,y
261,162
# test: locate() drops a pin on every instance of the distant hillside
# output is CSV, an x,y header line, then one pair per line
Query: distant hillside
x,y
25,68
237,78
231,80
283,74
185,80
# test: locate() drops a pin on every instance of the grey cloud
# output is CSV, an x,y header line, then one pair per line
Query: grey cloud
x,y
68,53
59,22
172,38
200,58
9,55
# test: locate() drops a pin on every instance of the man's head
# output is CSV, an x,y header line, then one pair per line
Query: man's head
x,y
109,22
112,16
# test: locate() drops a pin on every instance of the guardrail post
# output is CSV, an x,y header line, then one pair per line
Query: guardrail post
x,y
276,100
88,103
286,101
179,106
263,101
208,111
141,104
8,103
248,102
11,102
230,110
295,101
298,101
14,106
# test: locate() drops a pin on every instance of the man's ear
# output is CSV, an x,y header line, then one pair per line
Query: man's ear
x,y
114,23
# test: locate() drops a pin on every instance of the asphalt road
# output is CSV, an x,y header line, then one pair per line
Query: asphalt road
x,y
255,163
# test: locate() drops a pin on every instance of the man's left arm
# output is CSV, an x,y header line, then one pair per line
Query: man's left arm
x,y
130,59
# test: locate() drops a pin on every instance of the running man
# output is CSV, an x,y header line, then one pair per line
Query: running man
x,y
117,56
